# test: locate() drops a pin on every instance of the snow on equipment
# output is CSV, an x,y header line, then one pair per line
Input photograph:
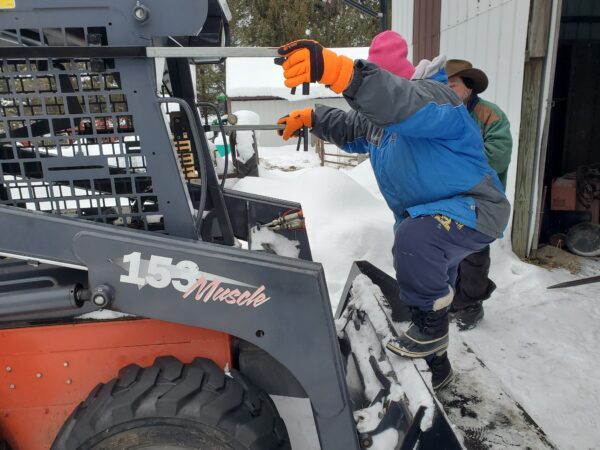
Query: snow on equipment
x,y
475,403
129,315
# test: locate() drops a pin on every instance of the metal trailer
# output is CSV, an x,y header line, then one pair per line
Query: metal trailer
x,y
129,315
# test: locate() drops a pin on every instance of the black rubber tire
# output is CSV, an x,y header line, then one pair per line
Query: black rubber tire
x,y
187,406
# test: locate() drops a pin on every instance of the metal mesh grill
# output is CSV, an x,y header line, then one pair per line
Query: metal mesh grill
x,y
68,143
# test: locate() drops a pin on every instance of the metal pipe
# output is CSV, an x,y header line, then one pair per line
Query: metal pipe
x,y
245,127
212,52
21,52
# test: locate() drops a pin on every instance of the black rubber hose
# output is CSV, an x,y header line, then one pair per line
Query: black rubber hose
x,y
210,105
201,160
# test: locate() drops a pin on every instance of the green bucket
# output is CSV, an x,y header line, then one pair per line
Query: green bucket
x,y
221,148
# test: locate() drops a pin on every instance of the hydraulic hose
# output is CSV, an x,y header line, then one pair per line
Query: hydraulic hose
x,y
222,130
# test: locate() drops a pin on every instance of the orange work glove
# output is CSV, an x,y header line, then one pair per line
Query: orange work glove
x,y
307,61
294,121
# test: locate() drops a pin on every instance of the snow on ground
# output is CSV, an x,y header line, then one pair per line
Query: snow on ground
x,y
363,175
285,159
541,344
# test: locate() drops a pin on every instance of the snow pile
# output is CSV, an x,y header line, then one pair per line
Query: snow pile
x,y
261,77
266,239
363,174
285,159
344,222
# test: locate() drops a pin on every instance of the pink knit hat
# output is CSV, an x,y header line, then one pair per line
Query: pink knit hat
x,y
389,50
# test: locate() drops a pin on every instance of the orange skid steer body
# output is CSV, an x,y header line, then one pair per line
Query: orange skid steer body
x,y
47,370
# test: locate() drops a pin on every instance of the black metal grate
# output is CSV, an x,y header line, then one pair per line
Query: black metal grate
x,y
68,143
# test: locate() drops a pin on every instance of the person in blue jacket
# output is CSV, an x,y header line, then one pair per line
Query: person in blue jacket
x,y
428,158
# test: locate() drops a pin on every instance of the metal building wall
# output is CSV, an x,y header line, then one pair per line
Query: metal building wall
x,y
492,34
402,21
271,110
426,30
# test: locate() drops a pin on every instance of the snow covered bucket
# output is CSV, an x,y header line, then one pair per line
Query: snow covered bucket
x,y
247,141
394,406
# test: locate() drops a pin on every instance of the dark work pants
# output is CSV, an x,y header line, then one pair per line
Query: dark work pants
x,y
472,283
427,253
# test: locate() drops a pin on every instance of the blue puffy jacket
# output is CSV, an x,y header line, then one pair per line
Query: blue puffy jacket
x,y
426,151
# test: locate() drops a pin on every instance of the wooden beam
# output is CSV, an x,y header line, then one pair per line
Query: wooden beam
x,y
537,47
532,82
539,28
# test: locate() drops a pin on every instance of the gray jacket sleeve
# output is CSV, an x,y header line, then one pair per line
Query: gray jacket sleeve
x,y
347,130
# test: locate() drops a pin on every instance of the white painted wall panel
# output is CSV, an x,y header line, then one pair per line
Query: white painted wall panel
x,y
402,21
492,34
271,110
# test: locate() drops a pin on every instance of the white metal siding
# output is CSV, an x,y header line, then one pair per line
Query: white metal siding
x,y
271,110
402,21
492,34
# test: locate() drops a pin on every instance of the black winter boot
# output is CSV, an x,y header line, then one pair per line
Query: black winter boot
x,y
441,370
428,334
468,318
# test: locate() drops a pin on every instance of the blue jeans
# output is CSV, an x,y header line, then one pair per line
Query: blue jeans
x,y
427,251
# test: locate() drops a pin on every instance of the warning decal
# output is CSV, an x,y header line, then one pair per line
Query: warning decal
x,y
7,4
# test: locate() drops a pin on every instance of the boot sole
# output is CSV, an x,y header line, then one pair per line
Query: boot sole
x,y
409,354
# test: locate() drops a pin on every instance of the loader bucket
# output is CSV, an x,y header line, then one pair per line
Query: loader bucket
x,y
394,406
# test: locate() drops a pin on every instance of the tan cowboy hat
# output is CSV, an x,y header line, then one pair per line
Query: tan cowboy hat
x,y
464,69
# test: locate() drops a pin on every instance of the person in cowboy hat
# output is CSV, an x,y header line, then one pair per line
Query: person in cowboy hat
x,y
473,285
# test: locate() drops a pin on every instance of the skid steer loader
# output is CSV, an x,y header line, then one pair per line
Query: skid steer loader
x,y
131,315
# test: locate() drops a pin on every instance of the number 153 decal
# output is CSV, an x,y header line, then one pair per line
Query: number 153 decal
x,y
159,272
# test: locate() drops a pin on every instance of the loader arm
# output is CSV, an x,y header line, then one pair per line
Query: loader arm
x,y
281,292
